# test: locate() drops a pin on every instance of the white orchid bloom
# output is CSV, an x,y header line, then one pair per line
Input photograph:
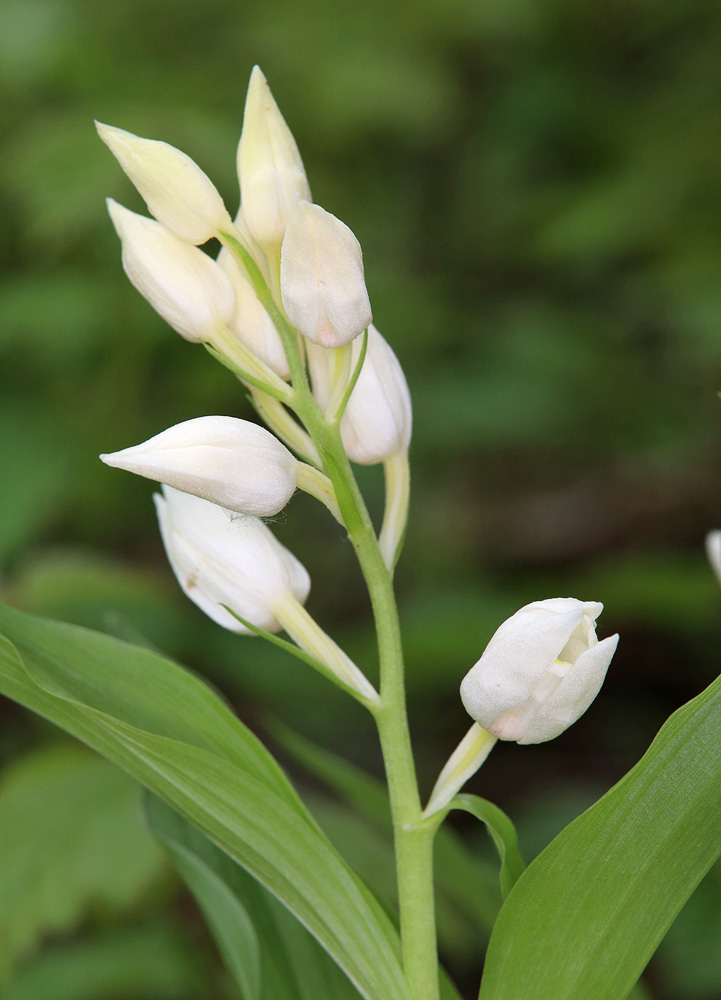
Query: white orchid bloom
x,y
540,671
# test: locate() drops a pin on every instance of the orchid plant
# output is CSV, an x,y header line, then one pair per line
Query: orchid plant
x,y
285,308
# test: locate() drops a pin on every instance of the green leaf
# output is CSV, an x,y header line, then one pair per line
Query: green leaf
x,y
94,853
468,900
137,686
222,908
367,793
639,992
503,834
31,427
149,962
588,913
689,959
467,895
285,962
223,781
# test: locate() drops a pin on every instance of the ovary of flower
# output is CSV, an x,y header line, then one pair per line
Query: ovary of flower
x,y
270,169
322,284
223,559
174,188
540,671
250,323
463,763
234,463
182,283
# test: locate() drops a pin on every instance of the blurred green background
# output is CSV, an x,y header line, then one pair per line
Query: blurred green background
x,y
536,189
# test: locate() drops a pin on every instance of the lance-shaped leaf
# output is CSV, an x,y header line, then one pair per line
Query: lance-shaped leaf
x,y
588,913
223,781
270,953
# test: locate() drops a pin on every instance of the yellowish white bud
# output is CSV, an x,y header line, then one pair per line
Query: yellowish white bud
x,y
322,284
174,188
378,419
182,283
234,463
540,671
223,558
713,551
250,323
270,169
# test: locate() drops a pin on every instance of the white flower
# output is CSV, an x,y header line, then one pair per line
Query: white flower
x,y
234,463
713,552
174,188
223,558
270,169
378,418
321,277
540,671
184,285
250,323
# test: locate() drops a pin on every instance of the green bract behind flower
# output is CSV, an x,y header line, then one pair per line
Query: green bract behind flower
x,y
250,323
378,419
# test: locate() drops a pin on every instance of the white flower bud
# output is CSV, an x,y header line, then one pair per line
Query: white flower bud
x,y
234,463
713,552
250,323
540,671
321,277
378,418
174,188
223,558
270,169
184,285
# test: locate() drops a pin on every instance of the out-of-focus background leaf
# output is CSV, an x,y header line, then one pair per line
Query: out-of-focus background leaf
x,y
536,187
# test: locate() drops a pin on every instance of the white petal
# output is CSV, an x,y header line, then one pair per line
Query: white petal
x,y
321,277
183,284
574,694
270,169
378,419
174,188
516,659
713,552
509,689
234,463
222,558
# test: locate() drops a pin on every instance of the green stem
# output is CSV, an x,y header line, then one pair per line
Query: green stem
x,y
413,839
413,836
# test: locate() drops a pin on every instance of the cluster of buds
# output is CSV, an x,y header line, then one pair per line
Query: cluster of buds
x,y
285,307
